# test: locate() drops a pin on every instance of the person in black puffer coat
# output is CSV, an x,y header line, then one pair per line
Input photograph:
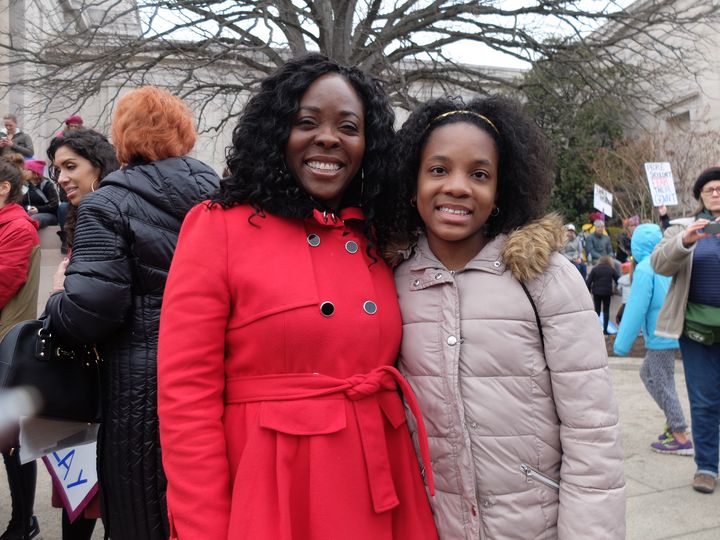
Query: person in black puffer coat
x,y
124,240
600,282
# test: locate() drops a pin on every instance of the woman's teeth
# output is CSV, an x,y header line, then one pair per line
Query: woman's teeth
x,y
323,166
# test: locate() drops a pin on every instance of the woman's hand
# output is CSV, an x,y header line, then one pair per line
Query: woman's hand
x,y
694,232
32,210
59,277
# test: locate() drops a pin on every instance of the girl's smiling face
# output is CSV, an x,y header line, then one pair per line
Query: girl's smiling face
x,y
457,190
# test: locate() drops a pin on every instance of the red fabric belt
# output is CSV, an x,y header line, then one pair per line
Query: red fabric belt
x,y
358,389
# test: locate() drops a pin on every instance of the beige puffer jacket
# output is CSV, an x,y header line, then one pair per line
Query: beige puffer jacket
x,y
506,420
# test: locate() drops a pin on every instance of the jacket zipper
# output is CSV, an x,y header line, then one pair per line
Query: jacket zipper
x,y
534,474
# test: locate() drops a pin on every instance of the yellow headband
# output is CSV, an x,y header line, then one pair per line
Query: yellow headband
x,y
464,111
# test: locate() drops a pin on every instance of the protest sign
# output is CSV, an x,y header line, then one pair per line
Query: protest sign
x,y
74,475
602,200
662,186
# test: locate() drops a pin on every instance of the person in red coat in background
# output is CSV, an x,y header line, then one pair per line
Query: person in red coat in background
x,y
18,237
280,416
18,234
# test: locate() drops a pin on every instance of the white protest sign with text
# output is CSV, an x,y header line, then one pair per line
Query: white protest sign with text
x,y
602,200
662,185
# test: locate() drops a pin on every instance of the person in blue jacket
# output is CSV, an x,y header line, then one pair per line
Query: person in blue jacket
x,y
647,294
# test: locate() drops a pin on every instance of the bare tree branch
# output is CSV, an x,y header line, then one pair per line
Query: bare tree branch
x,y
211,51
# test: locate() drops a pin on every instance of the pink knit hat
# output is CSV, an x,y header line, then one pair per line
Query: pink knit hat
x,y
36,166
74,119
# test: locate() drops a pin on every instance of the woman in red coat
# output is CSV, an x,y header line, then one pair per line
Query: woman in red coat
x,y
280,417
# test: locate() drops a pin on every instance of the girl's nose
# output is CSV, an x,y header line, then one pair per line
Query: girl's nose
x,y
457,185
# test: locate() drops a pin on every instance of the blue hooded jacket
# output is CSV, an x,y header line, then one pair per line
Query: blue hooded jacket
x,y
647,295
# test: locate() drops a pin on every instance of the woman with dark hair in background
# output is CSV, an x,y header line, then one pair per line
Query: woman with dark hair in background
x,y
18,302
691,313
110,295
280,415
79,160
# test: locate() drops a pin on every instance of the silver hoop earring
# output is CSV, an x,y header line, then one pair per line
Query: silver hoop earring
x,y
494,212
413,202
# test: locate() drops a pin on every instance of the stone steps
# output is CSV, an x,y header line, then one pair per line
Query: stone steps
x,y
49,238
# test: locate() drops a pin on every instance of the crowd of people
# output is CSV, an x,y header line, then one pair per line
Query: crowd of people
x,y
308,348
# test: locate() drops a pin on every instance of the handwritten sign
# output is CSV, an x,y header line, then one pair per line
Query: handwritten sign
x,y
74,475
602,200
662,186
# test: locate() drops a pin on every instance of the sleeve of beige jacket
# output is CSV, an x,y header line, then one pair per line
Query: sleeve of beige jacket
x,y
670,254
592,483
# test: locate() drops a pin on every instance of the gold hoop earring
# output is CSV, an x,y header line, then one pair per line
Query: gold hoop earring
x,y
92,186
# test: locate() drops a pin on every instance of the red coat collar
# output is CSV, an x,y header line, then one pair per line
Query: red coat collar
x,y
329,219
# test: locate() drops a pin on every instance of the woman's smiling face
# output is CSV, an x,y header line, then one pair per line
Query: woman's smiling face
x,y
326,145
76,175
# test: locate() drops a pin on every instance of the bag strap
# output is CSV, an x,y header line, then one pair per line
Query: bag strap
x,y
537,315
39,192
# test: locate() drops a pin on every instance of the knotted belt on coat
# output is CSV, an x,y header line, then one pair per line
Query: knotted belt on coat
x,y
370,424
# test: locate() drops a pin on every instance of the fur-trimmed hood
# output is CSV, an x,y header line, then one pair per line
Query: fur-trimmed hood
x,y
525,251
528,249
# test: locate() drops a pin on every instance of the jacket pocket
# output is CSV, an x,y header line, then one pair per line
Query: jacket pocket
x,y
535,475
304,416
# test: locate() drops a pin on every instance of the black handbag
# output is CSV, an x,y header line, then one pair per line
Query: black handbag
x,y
67,378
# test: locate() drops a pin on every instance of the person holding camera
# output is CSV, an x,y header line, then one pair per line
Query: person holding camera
x,y
691,312
13,140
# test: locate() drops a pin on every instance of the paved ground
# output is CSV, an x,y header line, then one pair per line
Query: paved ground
x,y
661,502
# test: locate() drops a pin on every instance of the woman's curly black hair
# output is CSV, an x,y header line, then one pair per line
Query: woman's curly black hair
x,y
257,172
525,167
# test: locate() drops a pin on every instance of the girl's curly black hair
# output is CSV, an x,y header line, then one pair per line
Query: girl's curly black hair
x,y
257,172
525,168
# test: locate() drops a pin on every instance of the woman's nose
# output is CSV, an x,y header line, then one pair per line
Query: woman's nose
x,y
326,137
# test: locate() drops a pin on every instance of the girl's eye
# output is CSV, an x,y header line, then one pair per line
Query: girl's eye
x,y
480,175
437,169
349,127
305,122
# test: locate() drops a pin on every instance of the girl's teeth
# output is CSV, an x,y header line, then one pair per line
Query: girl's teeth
x,y
323,166
453,211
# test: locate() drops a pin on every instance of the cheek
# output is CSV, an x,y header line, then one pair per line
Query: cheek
x,y
84,187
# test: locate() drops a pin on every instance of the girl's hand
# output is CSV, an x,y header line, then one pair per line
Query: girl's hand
x,y
693,232
59,277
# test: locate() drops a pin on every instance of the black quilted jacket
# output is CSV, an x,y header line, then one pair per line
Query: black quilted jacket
x,y
125,237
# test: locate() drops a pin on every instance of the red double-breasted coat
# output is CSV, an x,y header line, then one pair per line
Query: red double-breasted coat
x,y
279,412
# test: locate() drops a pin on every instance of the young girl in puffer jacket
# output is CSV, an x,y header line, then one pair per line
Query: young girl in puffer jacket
x,y
500,341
